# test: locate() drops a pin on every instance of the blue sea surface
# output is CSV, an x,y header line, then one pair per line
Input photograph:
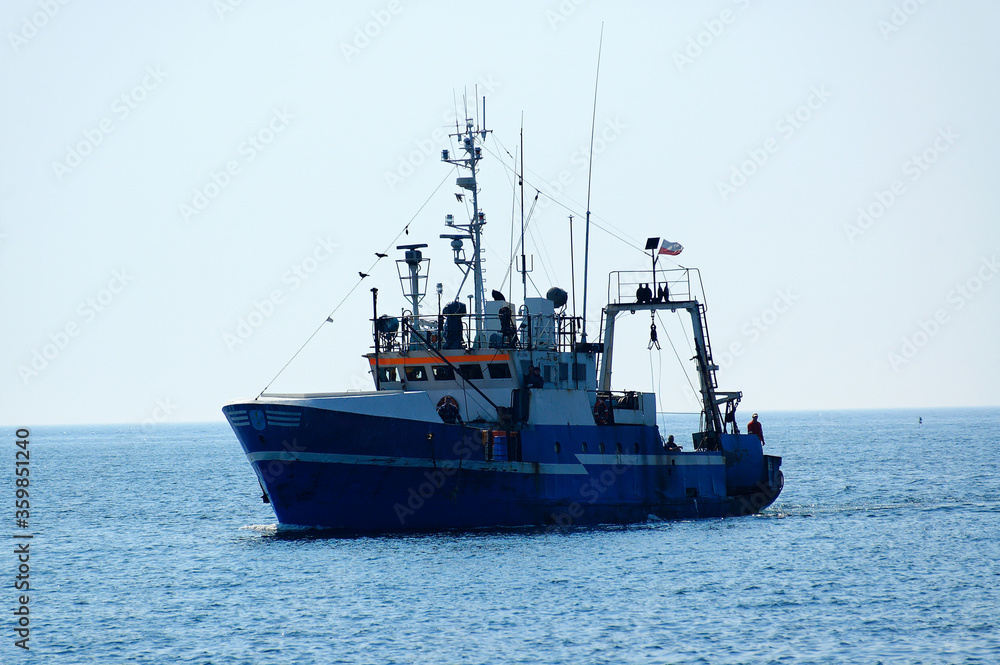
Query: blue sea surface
x,y
152,546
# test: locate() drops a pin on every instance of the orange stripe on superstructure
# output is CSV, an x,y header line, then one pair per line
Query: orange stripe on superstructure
x,y
433,360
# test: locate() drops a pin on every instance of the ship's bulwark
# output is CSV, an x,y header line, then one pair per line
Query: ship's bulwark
x,y
372,473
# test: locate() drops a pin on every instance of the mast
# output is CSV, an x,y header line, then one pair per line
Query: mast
x,y
375,328
468,139
478,220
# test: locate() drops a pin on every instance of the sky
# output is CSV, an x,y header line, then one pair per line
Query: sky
x,y
189,189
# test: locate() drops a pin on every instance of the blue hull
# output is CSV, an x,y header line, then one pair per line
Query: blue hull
x,y
370,473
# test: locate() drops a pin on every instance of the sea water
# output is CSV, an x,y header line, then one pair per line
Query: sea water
x,y
152,545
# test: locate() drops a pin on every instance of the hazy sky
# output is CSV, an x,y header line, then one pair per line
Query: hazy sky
x,y
189,188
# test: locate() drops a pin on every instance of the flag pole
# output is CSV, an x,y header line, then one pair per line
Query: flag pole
x,y
653,245
652,254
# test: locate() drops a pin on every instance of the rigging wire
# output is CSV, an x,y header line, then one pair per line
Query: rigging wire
x,y
329,317
652,379
590,171
543,252
537,290
676,355
659,380
513,216
655,384
628,240
517,247
687,338
510,266
543,255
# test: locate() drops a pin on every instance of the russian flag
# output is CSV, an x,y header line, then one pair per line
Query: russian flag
x,y
670,248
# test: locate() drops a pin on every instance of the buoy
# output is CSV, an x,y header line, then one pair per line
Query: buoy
x,y
601,411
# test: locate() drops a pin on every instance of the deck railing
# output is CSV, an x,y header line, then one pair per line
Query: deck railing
x,y
559,332
628,286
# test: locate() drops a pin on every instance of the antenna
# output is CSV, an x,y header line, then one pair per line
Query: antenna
x,y
572,266
524,264
590,169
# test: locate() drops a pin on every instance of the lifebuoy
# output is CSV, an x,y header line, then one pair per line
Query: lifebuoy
x,y
447,408
601,411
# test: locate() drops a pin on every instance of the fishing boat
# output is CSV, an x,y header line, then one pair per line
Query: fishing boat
x,y
504,415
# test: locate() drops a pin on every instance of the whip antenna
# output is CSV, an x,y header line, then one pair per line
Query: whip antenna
x,y
590,169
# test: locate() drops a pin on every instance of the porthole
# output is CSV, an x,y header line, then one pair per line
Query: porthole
x,y
600,447
618,448
635,448
583,447
260,437
558,447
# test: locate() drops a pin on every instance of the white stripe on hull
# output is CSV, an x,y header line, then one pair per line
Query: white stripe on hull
x,y
678,459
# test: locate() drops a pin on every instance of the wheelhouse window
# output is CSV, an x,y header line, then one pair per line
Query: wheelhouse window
x,y
387,374
416,373
471,371
443,373
499,370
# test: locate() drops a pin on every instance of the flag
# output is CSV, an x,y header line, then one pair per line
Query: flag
x,y
670,248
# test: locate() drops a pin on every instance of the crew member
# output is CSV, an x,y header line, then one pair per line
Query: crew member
x,y
754,427
534,378
670,445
